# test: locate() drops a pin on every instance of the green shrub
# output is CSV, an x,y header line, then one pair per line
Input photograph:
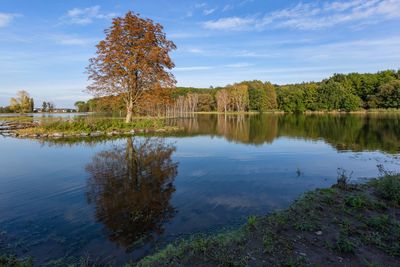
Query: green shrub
x,y
345,245
388,188
9,260
380,222
356,201
343,179
251,222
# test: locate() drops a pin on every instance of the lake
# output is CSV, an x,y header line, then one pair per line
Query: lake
x,y
121,198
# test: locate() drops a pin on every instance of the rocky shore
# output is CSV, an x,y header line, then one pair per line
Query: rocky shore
x,y
34,130
58,135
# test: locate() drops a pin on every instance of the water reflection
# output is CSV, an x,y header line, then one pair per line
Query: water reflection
x,y
131,188
356,132
135,192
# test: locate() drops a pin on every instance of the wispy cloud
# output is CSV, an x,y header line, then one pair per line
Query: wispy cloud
x,y
229,24
245,2
6,18
72,40
239,65
205,8
205,68
186,35
227,8
84,16
314,15
318,15
195,50
209,11
193,68
200,5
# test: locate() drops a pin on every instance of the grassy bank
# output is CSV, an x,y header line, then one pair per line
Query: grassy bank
x,y
346,225
87,125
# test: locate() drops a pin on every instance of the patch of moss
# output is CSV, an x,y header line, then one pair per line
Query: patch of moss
x,y
11,260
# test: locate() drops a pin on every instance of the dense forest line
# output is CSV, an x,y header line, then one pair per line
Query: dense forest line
x,y
341,92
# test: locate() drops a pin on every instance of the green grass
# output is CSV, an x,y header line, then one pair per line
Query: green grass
x,y
105,124
16,118
212,246
92,124
251,222
388,188
358,201
345,245
10,260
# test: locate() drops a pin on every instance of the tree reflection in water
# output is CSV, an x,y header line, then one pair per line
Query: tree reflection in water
x,y
131,187
356,132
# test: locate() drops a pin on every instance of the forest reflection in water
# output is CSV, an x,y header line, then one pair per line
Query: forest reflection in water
x,y
356,132
131,187
123,197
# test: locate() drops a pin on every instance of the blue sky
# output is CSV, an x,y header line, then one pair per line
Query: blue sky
x,y
45,44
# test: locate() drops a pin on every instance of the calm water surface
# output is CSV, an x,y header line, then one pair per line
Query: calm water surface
x,y
120,199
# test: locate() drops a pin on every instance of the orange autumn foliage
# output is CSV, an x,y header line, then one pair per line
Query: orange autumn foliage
x,y
132,60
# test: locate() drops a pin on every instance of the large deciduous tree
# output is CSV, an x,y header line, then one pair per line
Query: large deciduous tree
x,y
133,58
22,103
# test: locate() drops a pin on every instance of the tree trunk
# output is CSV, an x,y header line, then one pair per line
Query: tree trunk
x,y
129,111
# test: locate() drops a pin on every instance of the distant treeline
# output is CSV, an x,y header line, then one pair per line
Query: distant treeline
x,y
341,92
23,103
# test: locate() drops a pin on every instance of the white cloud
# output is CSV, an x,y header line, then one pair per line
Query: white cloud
x,y
83,16
200,5
193,68
186,35
73,40
6,18
229,24
314,15
311,16
189,14
209,11
195,50
239,65
206,9
244,2
341,6
227,8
